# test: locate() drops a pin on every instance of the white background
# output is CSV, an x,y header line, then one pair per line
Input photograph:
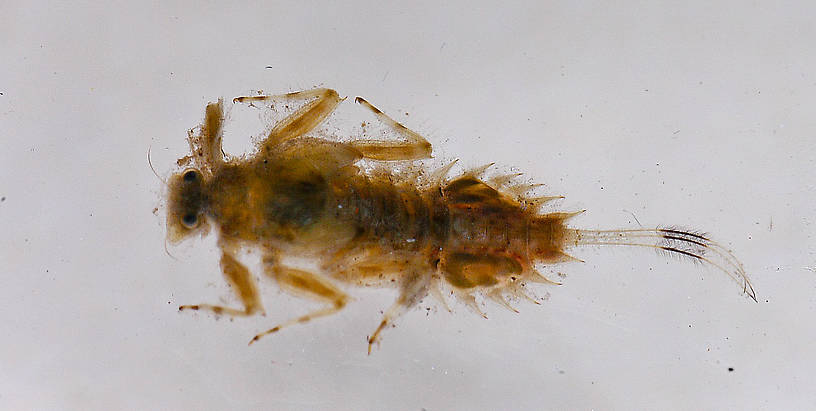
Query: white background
x,y
698,114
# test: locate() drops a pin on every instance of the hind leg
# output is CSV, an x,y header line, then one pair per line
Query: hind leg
x,y
413,290
413,148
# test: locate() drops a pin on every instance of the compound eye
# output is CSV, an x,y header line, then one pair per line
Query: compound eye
x,y
190,176
189,220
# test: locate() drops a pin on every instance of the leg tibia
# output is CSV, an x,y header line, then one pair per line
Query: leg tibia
x,y
305,284
413,148
242,284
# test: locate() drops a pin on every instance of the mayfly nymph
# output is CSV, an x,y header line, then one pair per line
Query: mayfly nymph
x,y
307,197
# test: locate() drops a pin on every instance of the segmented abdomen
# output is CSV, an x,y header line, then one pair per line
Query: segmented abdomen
x,y
395,217
493,238
467,231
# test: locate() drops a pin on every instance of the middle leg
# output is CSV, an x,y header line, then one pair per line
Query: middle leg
x,y
307,284
304,119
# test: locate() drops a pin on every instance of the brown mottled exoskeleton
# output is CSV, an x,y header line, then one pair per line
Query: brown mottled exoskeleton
x,y
305,196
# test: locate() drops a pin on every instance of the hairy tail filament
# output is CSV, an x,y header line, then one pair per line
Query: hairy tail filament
x,y
676,241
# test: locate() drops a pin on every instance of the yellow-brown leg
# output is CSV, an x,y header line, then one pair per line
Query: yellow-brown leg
x,y
414,147
413,289
241,281
307,284
304,119
206,143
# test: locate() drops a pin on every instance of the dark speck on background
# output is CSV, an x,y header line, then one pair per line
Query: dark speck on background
x,y
730,369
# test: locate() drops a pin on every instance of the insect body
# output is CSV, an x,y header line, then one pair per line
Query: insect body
x,y
307,197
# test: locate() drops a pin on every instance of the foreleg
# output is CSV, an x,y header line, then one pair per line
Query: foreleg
x,y
242,284
205,141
